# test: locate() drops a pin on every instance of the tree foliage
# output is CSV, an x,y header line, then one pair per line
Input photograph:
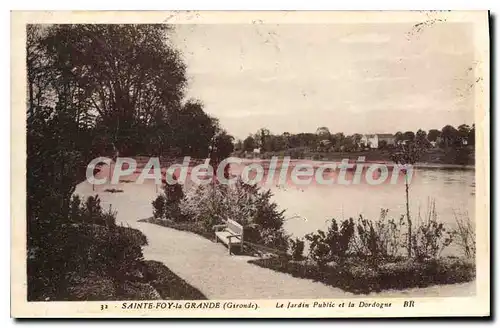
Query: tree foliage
x,y
98,90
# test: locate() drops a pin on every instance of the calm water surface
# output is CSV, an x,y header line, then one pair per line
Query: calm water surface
x,y
452,190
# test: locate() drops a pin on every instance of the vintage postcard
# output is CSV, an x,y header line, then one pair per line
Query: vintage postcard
x,y
250,164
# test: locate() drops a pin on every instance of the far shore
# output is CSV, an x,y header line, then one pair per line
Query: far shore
x,y
430,166
141,161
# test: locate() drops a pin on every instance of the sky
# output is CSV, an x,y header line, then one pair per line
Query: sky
x,y
351,78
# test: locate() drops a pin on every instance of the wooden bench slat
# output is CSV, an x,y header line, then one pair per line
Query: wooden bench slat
x,y
224,237
231,235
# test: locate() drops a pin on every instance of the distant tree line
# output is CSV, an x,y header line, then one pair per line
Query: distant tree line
x,y
448,136
325,141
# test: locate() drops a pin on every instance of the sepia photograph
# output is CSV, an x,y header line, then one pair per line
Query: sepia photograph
x,y
206,162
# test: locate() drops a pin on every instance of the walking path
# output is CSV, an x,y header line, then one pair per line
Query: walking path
x,y
207,265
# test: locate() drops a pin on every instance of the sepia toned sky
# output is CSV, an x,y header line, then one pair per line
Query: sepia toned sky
x,y
351,78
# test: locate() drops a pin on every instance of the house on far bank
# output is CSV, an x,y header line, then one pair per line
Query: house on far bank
x,y
373,141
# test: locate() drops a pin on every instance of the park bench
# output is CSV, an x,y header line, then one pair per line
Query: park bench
x,y
230,233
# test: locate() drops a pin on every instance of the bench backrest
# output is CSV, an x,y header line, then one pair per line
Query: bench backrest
x,y
234,227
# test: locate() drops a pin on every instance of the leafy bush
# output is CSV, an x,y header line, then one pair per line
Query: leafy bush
x,y
91,287
431,236
297,249
174,194
88,249
465,235
244,203
168,204
333,245
138,290
381,239
90,212
205,204
274,238
159,207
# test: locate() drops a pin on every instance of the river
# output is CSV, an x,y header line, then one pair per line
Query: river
x,y
310,207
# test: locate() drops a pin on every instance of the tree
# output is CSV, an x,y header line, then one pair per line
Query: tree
x,y
249,144
398,137
193,130
407,154
357,139
323,132
338,140
449,135
277,143
262,138
222,146
409,136
433,135
471,138
39,76
238,145
126,74
88,84
348,144
421,138
286,139
463,133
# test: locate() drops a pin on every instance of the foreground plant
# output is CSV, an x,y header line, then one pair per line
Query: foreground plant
x,y
332,245
431,236
408,154
380,239
465,234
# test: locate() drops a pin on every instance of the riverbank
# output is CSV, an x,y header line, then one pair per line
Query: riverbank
x,y
316,163
434,158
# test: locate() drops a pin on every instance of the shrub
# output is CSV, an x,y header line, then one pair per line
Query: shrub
x,y
379,239
297,249
247,204
431,236
273,238
465,235
174,194
91,287
333,245
90,212
137,290
319,250
159,207
205,205
75,210
88,249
